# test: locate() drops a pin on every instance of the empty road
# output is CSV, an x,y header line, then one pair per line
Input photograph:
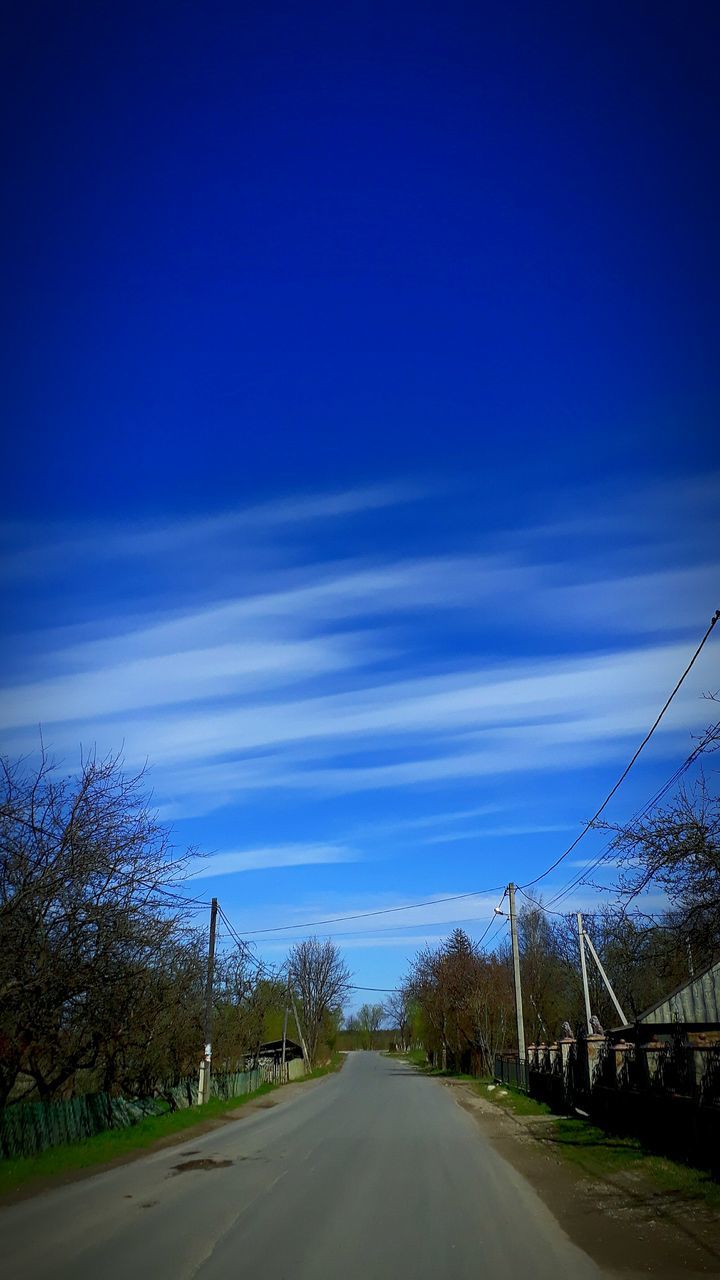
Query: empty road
x,y
375,1172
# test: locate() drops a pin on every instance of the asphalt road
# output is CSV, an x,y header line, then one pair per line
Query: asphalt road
x,y
375,1172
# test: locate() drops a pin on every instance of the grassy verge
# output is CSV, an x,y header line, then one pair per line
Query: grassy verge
x,y
335,1063
601,1155
418,1058
114,1142
511,1099
597,1154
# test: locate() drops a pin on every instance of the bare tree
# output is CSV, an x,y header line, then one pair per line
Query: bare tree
x,y
369,1020
321,982
676,852
90,925
398,1014
465,1002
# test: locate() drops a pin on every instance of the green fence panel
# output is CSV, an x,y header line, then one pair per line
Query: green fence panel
x,y
27,1128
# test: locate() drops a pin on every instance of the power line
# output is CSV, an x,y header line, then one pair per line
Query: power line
x,y
246,951
503,923
364,915
386,990
581,876
493,918
540,906
631,762
392,928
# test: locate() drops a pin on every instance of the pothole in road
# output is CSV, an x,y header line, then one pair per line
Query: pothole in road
x,y
201,1164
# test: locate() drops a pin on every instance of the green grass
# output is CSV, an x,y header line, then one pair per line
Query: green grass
x,y
115,1142
601,1155
597,1154
418,1058
335,1063
521,1104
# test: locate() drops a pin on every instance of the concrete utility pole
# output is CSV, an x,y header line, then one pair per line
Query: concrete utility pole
x,y
583,968
301,1037
516,974
604,977
204,1090
285,1022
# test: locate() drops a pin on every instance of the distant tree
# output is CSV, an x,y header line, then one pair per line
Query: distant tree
x,y
460,1001
369,1019
399,1015
320,980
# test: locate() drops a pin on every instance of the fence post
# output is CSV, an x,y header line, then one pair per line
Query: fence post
x,y
618,1051
593,1047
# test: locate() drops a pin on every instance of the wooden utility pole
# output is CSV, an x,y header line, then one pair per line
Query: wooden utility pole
x,y
516,974
583,969
207,1061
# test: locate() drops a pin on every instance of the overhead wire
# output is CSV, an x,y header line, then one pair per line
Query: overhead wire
x,y
591,821
581,876
364,915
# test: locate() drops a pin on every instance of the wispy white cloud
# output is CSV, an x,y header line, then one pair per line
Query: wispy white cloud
x,y
177,678
270,857
318,681
484,833
408,944
45,549
521,718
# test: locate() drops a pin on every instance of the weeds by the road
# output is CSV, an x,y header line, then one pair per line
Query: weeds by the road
x,y
335,1063
521,1104
600,1154
418,1058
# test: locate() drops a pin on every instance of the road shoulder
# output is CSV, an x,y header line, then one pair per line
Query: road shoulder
x,y
233,1115
626,1226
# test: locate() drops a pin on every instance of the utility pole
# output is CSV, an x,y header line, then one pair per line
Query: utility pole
x,y
285,1022
516,974
204,1090
605,978
301,1037
586,991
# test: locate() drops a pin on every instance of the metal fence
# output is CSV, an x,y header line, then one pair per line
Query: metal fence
x,y
512,1070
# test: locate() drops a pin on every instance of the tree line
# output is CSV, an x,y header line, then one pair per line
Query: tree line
x,y
103,965
102,970
457,1001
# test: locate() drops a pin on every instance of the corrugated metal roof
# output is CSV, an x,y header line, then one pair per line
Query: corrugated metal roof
x,y
696,1001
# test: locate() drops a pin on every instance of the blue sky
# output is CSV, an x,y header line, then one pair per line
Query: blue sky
x,y
361,468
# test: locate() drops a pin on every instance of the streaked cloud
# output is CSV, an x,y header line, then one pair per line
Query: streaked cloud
x,y
371,673
269,858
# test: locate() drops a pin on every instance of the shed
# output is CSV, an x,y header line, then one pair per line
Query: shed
x,y
272,1051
